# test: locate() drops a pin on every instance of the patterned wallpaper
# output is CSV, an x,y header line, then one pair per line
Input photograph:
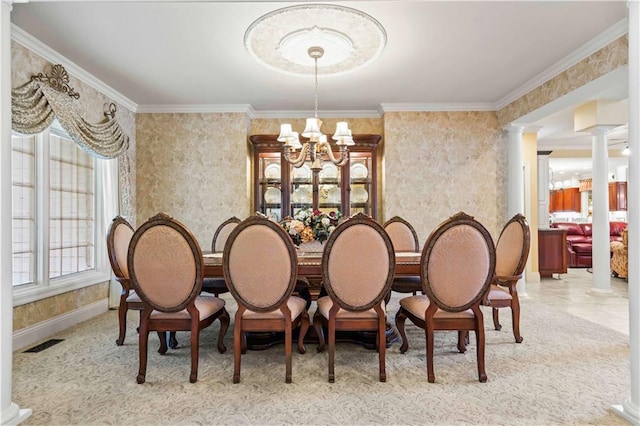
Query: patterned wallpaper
x,y
439,163
194,167
605,60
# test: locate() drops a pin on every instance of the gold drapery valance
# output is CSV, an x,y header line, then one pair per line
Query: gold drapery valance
x,y
585,184
36,103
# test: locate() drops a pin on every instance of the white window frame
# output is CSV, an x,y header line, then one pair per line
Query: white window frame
x,y
106,207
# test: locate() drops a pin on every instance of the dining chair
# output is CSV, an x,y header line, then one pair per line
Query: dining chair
x,y
512,251
216,286
166,266
404,238
457,266
118,239
358,264
260,266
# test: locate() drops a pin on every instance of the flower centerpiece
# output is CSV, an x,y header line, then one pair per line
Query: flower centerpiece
x,y
308,225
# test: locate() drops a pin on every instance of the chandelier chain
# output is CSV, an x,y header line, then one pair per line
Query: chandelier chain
x,y
315,59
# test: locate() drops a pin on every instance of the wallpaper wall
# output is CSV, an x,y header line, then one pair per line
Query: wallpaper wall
x,y
605,60
194,167
439,163
26,63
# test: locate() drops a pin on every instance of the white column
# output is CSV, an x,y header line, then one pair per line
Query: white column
x,y
515,184
630,408
600,250
543,189
10,412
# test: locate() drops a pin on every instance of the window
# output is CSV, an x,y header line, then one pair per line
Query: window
x,y
58,215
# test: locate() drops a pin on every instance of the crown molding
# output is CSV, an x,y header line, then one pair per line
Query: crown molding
x,y
611,34
194,109
38,47
436,107
321,114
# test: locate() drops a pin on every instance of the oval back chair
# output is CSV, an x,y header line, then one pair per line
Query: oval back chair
x,y
260,267
404,238
166,266
216,286
512,252
358,265
458,264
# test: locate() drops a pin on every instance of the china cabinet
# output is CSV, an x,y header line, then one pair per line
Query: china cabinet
x,y
281,190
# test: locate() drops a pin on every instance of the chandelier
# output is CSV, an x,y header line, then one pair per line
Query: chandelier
x,y
317,148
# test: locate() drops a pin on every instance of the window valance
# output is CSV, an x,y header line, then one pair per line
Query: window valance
x,y
36,103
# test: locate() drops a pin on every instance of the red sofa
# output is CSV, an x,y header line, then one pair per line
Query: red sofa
x,y
579,240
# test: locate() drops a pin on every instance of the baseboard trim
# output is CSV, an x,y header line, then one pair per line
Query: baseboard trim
x,y
45,329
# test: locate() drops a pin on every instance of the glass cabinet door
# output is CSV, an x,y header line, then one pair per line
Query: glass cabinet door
x,y
329,188
270,185
301,188
361,181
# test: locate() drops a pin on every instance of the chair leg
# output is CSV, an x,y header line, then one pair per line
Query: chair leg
x,y
143,340
195,342
304,327
496,322
162,335
238,337
428,329
382,347
515,317
225,320
332,350
463,340
317,326
122,318
482,374
173,342
400,319
288,343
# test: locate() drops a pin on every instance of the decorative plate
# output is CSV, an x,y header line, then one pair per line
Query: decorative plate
x,y
333,196
301,195
359,195
272,195
359,171
272,171
329,171
303,172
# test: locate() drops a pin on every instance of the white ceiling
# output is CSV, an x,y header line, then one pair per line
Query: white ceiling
x,y
172,55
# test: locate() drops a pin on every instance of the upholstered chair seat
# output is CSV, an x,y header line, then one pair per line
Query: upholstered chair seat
x,y
418,305
325,303
297,306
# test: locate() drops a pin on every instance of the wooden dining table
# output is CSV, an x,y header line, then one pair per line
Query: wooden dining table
x,y
310,267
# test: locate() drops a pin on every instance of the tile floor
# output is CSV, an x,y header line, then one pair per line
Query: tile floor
x,y
570,293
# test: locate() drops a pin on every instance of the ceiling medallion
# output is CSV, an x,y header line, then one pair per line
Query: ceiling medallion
x,y
281,39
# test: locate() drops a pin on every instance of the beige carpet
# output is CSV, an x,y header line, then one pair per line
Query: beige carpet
x,y
567,371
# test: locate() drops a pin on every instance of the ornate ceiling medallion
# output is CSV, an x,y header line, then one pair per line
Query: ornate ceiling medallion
x,y
281,39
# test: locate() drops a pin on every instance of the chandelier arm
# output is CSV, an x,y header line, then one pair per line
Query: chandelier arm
x,y
342,159
298,160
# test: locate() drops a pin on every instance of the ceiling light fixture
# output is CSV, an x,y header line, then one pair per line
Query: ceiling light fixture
x,y
317,148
